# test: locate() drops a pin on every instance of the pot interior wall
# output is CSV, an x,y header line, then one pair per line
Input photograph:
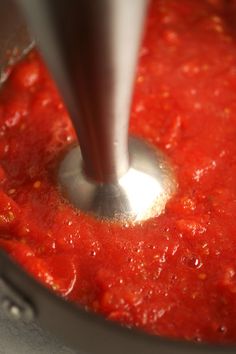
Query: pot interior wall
x,y
14,37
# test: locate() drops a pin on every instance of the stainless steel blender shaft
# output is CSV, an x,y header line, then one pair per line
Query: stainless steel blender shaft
x,y
91,48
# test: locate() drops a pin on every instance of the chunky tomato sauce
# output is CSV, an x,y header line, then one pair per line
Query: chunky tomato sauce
x,y
174,275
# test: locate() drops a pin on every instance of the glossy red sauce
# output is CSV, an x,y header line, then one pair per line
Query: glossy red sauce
x,y
175,275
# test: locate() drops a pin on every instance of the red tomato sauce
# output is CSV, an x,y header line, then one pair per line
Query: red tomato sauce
x,y
174,275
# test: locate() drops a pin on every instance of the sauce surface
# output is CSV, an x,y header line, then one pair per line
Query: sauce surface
x,y
174,275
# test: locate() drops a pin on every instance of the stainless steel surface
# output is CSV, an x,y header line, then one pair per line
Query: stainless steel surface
x,y
135,196
91,48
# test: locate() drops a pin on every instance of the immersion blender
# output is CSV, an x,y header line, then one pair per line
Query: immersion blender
x,y
91,48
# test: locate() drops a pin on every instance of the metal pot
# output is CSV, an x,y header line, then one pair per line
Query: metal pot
x,y
33,310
